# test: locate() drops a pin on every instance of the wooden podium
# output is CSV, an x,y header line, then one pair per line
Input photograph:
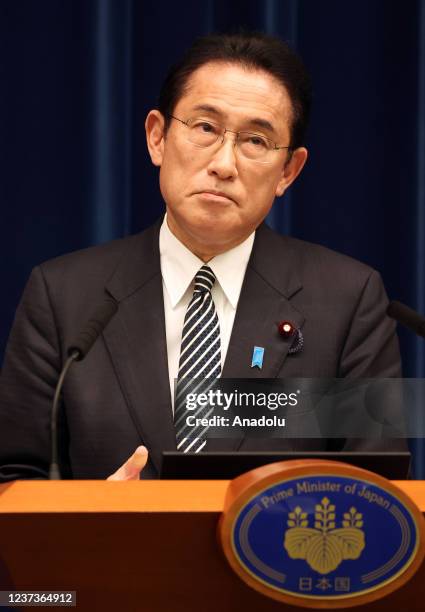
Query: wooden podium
x,y
147,546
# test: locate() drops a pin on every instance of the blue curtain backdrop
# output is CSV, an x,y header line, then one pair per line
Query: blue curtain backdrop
x,y
77,78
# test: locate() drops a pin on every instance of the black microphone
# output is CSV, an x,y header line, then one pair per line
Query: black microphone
x,y
407,317
76,351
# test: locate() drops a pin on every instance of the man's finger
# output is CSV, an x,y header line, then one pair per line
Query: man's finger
x,y
130,470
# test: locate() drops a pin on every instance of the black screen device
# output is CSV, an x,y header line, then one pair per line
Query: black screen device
x,y
228,465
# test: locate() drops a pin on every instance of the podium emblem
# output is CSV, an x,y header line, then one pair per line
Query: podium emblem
x,y
324,546
321,532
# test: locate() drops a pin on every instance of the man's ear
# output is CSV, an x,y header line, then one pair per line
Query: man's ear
x,y
291,170
154,126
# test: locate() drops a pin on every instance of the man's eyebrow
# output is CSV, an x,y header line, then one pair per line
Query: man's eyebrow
x,y
262,123
208,109
255,122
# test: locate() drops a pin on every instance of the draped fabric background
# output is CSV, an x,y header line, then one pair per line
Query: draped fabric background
x,y
77,78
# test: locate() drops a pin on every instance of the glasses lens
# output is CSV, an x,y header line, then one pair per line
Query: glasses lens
x,y
254,146
203,133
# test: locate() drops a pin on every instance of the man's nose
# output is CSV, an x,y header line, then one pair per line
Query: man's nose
x,y
223,161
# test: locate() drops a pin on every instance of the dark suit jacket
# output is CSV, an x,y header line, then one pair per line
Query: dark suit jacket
x,y
119,396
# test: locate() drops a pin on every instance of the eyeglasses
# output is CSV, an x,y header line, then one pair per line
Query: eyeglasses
x,y
255,147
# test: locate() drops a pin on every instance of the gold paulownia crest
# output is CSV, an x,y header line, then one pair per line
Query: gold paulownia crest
x,y
324,547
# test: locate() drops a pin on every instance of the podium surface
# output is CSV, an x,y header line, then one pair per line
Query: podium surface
x,y
143,546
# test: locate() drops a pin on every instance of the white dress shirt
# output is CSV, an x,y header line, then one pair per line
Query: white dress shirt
x,y
178,268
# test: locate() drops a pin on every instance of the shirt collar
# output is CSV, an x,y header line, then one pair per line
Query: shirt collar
x,y
179,266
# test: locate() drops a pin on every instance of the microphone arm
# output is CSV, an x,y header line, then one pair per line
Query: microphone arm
x,y
54,472
76,352
407,317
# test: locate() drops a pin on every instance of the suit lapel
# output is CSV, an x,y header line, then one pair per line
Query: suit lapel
x,y
270,281
137,344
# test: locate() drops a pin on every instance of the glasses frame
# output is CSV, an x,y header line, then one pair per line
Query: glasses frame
x,y
222,133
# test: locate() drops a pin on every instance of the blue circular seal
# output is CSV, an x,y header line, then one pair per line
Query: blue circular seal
x,y
325,536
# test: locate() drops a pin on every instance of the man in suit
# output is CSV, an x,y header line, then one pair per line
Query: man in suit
x,y
228,138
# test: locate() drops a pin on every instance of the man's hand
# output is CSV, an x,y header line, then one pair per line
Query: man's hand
x,y
130,470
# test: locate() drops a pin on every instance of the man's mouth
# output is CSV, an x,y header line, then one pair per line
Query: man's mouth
x,y
215,195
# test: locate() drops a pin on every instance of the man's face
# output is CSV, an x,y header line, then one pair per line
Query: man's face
x,y
215,197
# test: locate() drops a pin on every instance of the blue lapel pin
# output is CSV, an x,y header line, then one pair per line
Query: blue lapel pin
x,y
257,357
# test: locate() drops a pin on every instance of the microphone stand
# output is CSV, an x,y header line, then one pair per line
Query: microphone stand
x,y
76,352
54,471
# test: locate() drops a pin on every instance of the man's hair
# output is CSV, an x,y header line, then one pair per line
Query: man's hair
x,y
250,50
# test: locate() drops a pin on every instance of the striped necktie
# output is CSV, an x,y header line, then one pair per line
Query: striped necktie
x,y
200,357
